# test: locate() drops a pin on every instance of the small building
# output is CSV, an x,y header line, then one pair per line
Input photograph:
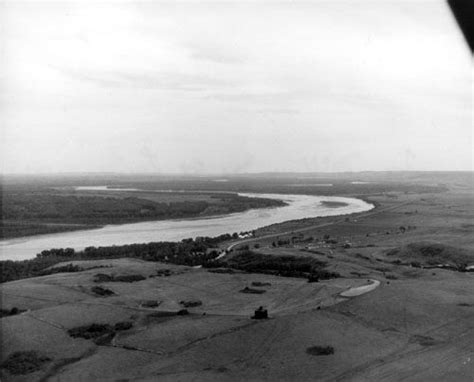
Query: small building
x,y
260,314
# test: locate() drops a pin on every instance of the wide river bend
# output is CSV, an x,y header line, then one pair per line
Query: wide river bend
x,y
299,207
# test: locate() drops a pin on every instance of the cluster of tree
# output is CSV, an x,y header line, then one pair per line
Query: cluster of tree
x,y
9,229
101,210
14,270
65,268
10,312
27,213
102,277
280,242
287,266
198,251
93,209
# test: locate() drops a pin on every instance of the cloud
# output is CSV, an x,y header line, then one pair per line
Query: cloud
x,y
278,111
215,54
253,97
173,81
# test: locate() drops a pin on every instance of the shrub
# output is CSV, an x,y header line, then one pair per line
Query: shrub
x,y
124,325
66,268
12,312
24,362
102,277
90,331
361,256
320,350
101,334
260,284
191,303
102,291
151,303
128,278
252,291
163,272
221,270
313,279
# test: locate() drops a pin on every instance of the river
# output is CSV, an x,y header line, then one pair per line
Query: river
x,y
299,207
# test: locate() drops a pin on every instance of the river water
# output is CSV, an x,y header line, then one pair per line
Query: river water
x,y
299,207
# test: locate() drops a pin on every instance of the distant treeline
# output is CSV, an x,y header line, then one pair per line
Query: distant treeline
x,y
109,210
199,251
44,211
191,252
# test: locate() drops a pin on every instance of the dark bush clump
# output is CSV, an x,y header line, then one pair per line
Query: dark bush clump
x,y
221,270
101,334
12,312
252,291
313,279
128,278
24,362
320,350
423,340
161,315
102,277
163,272
361,256
102,291
260,284
286,266
191,303
124,325
151,303
90,331
65,268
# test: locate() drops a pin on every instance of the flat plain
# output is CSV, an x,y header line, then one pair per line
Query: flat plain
x,y
409,315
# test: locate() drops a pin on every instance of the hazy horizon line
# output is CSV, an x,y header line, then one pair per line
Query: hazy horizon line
x,y
211,174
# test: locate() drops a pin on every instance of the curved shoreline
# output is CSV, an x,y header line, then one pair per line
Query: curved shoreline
x,y
299,207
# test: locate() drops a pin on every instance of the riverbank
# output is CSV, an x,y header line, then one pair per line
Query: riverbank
x,y
297,207
28,212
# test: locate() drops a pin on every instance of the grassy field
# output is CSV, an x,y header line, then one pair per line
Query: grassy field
x,y
416,325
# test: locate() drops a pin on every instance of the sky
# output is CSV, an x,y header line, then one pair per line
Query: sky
x,y
252,86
